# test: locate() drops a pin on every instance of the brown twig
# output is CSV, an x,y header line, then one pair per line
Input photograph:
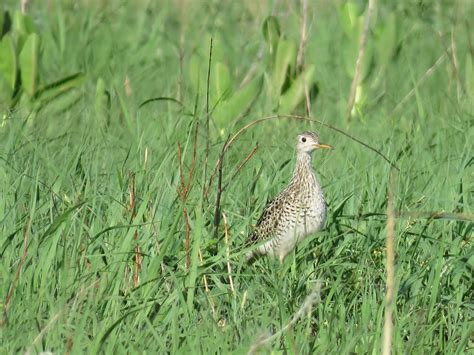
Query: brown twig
x,y
217,211
360,58
183,191
390,269
26,234
206,160
241,165
468,217
133,212
187,241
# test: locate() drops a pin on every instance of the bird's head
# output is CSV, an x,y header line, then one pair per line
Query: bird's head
x,y
307,142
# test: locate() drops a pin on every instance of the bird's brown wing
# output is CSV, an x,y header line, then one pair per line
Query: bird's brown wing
x,y
267,224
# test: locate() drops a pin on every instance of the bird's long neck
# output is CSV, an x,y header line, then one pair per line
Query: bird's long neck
x,y
303,166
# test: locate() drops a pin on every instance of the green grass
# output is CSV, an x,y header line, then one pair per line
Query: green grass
x,y
67,234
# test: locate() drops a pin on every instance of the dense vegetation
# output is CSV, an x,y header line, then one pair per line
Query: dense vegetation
x,y
114,234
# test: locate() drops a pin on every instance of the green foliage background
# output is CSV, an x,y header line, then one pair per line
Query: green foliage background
x,y
124,83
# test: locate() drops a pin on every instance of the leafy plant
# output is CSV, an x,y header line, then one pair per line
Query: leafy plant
x,y
380,47
20,62
286,84
227,100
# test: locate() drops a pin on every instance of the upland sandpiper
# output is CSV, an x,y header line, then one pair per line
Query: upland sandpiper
x,y
298,211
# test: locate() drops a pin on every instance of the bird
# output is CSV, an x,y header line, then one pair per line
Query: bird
x,y
296,212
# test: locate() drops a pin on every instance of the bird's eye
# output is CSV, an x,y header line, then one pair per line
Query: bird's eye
x,y
303,139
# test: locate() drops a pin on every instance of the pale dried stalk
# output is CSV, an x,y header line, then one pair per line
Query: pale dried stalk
x,y
300,56
303,37
132,207
8,298
127,86
227,253
360,58
24,6
455,64
206,285
425,76
390,269
313,298
57,316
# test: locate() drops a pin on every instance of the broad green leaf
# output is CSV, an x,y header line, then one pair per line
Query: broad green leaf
x,y
29,60
469,75
295,94
60,103
5,24
285,56
386,40
53,90
22,27
2,21
239,102
271,32
23,23
348,15
222,82
8,61
6,93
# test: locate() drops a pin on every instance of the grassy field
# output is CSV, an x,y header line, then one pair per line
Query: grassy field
x,y
110,96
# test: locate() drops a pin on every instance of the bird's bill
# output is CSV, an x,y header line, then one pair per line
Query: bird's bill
x,y
325,146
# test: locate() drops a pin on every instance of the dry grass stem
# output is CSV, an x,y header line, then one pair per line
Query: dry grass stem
x,y
183,192
26,234
127,86
390,270
57,316
301,50
206,286
360,58
208,83
133,213
303,36
425,76
253,68
24,6
312,299
468,217
241,165
217,211
227,253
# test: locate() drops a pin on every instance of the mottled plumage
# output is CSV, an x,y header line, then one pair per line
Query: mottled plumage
x,y
299,210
